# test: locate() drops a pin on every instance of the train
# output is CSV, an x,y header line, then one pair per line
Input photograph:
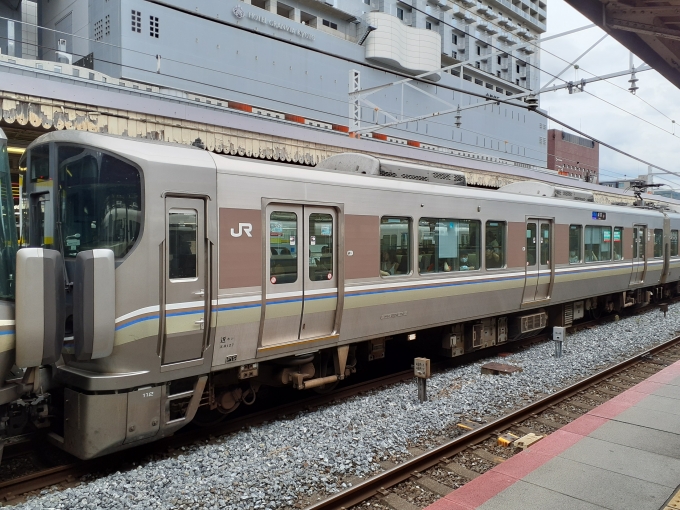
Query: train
x,y
156,283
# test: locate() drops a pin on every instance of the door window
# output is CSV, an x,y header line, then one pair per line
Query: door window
x,y
575,256
320,247
545,244
531,244
635,243
658,243
283,247
182,238
674,243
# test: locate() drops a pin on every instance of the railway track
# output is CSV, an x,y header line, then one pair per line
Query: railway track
x,y
68,473
423,479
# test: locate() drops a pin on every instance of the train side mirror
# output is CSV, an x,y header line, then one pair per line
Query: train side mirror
x,y
39,307
94,304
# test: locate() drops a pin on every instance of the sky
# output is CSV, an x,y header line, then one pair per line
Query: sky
x,y
635,126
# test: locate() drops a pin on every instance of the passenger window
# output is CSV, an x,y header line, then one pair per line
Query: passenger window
x,y
658,243
598,241
635,242
674,243
448,245
282,247
182,237
618,243
395,246
575,254
320,247
531,244
494,249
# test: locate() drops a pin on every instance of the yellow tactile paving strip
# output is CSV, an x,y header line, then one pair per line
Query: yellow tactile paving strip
x,y
674,503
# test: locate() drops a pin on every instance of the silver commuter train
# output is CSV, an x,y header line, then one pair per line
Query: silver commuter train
x,y
159,279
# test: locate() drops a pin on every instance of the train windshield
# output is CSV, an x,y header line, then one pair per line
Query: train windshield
x,y
100,200
8,231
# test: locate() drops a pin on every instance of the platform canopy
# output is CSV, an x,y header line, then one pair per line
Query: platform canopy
x,y
650,29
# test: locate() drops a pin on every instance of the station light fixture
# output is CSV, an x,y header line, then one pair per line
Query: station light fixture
x,y
16,150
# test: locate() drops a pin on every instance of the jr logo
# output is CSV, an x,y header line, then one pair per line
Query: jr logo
x,y
242,227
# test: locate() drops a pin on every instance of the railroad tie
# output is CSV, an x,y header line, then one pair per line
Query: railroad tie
x,y
596,398
483,454
609,392
394,501
580,405
566,414
434,486
548,422
462,471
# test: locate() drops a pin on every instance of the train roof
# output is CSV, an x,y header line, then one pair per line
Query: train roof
x,y
3,136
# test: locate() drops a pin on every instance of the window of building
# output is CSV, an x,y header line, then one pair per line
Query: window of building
x,y
517,67
516,82
499,60
153,26
575,253
330,24
400,12
454,38
395,246
489,86
658,243
467,77
478,66
494,247
598,243
367,2
478,81
454,54
283,266
428,25
137,21
498,73
498,89
479,50
674,243
448,245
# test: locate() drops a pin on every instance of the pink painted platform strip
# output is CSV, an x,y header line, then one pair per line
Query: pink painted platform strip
x,y
480,490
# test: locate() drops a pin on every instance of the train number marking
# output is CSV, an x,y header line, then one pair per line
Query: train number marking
x,y
394,315
243,227
226,341
147,394
230,358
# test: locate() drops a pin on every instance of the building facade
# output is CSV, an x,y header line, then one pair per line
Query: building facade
x,y
573,156
301,58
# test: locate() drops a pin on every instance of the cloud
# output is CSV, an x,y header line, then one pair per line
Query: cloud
x,y
605,111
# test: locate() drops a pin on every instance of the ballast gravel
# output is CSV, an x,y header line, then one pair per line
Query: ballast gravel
x,y
279,464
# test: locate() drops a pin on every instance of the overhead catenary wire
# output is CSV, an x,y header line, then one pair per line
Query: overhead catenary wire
x,y
390,71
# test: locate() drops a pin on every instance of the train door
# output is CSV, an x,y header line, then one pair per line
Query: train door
x,y
637,275
539,267
185,322
301,274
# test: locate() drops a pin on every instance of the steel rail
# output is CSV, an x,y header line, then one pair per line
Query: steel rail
x,y
369,488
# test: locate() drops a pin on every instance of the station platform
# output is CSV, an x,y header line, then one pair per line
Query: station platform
x,y
624,454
